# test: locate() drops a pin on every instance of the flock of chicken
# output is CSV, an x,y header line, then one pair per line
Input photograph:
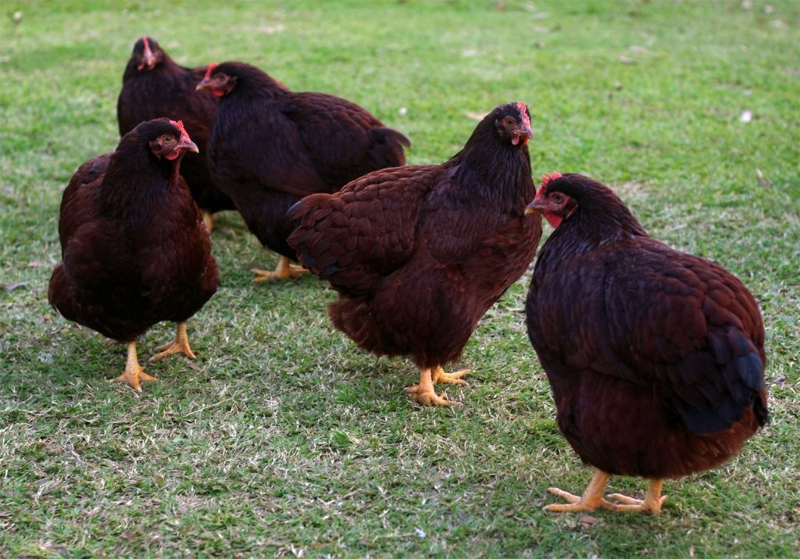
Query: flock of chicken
x,y
655,357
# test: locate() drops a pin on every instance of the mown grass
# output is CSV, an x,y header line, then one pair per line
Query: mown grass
x,y
283,438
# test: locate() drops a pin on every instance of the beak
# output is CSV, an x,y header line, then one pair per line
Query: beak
x,y
524,133
527,132
534,208
189,145
204,84
148,59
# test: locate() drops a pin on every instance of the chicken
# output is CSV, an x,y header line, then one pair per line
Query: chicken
x,y
655,357
155,86
271,146
418,254
134,248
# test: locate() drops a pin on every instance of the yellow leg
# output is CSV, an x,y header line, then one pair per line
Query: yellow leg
x,y
208,219
652,501
179,345
423,392
590,500
284,270
440,377
134,374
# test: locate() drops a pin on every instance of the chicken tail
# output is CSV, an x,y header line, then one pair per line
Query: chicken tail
x,y
387,147
715,402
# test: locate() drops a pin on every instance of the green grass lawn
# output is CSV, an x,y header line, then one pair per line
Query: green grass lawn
x,y
284,438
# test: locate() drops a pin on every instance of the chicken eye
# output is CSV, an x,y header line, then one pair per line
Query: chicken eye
x,y
169,138
557,197
509,121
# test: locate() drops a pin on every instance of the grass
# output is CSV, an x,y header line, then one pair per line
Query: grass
x,y
282,438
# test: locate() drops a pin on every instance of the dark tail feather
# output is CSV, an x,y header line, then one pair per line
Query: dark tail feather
x,y
388,150
716,401
760,409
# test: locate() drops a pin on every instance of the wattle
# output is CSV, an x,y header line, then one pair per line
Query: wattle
x,y
553,219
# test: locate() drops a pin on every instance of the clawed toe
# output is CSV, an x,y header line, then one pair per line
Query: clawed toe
x,y
178,345
284,270
134,374
652,504
430,398
577,503
423,393
593,498
440,377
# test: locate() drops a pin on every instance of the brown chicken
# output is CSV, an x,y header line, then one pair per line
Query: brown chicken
x,y
155,86
418,254
134,248
655,357
271,146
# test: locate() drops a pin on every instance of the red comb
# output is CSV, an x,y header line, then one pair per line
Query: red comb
x,y
210,69
147,56
179,125
548,177
523,110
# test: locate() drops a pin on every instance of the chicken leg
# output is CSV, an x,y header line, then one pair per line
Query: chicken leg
x,y
425,394
208,219
179,345
652,501
284,270
134,374
591,499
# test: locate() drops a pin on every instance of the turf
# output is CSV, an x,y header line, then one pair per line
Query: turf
x,y
282,438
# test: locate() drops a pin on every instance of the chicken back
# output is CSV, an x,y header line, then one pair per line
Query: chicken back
x,y
655,357
155,86
271,146
134,248
418,254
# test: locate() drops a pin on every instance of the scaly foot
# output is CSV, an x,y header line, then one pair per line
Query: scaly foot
x,y
179,345
591,499
576,503
284,270
430,398
652,501
424,394
440,377
208,219
134,374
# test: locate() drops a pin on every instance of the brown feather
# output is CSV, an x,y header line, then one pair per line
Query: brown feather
x,y
271,146
655,357
134,248
418,254
168,90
